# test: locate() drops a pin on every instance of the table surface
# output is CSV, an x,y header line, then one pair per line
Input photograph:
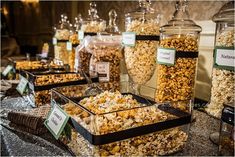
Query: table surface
x,y
17,143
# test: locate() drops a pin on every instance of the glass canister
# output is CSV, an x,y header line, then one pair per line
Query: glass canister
x,y
74,40
177,57
143,24
93,23
223,76
106,50
90,26
60,39
227,134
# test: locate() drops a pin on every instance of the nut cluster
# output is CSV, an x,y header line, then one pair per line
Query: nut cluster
x,y
84,60
140,59
223,84
72,59
62,34
28,65
176,83
93,26
56,78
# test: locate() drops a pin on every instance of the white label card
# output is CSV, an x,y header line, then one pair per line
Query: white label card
x,y
80,35
128,38
21,87
56,121
102,69
166,56
7,70
69,46
54,41
225,57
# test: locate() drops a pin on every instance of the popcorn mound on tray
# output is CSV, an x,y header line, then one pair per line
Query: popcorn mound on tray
x,y
115,112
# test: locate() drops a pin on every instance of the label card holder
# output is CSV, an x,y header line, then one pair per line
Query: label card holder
x,y
224,58
128,38
21,87
166,56
80,35
54,41
7,70
103,71
69,46
56,120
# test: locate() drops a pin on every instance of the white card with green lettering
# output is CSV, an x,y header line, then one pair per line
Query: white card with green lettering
x,y
128,38
56,121
7,70
21,87
69,46
54,41
166,56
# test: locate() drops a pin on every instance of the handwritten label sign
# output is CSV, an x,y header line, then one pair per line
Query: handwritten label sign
x,y
80,35
128,38
21,87
56,121
166,56
7,70
103,71
225,58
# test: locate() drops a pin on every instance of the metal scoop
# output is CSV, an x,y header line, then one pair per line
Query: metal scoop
x,y
92,89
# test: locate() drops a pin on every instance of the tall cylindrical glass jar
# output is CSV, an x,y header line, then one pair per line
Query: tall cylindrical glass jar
x,y
144,24
177,57
223,75
90,26
60,39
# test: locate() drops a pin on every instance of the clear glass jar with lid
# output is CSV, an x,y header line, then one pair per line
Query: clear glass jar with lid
x,y
90,26
144,24
60,39
93,23
106,49
223,75
177,56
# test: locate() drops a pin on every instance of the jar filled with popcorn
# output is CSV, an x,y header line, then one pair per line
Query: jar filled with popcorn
x,y
177,57
223,85
141,41
74,41
106,50
89,27
60,39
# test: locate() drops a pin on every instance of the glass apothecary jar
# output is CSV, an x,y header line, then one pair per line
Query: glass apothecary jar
x,y
106,49
143,24
223,76
90,26
93,23
60,39
177,57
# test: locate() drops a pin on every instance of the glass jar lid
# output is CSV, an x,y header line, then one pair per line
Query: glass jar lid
x,y
181,20
143,13
93,13
78,22
112,28
226,13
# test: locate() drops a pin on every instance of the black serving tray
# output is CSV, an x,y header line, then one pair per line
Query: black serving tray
x,y
182,119
32,74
